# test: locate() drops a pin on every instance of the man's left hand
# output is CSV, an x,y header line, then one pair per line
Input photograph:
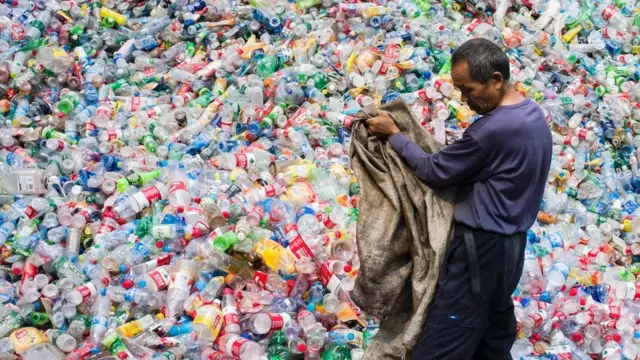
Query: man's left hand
x,y
382,124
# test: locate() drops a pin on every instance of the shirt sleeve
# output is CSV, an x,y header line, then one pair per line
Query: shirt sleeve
x,y
452,166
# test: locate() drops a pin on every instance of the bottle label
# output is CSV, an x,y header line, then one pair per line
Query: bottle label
x,y
328,223
610,324
100,320
422,94
106,227
539,317
241,160
135,103
270,191
152,112
85,214
131,329
55,334
278,321
30,212
230,315
25,338
181,281
160,277
233,347
29,271
209,316
113,134
152,194
304,210
635,290
141,250
87,291
60,146
608,12
260,277
177,185
384,68
299,248
474,24
611,353
161,231
614,312
582,133
195,303
162,260
328,278
610,33
64,269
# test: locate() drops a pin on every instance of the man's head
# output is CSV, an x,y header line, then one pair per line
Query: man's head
x,y
480,69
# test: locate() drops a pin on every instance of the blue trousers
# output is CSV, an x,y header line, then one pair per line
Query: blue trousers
x,y
471,316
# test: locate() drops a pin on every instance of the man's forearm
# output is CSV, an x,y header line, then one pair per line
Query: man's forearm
x,y
412,154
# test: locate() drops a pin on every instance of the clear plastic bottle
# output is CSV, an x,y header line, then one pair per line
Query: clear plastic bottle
x,y
239,347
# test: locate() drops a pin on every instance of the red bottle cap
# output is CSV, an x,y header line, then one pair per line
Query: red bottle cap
x,y
127,284
573,292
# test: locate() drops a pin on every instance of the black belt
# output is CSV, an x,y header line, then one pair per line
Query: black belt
x,y
472,255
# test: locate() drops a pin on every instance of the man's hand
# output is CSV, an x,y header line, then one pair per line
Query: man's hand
x,y
382,124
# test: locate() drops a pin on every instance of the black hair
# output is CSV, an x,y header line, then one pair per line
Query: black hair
x,y
483,58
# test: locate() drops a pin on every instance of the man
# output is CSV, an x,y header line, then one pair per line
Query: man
x,y
499,167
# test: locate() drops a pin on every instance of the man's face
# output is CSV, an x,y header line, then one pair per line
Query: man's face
x,y
481,98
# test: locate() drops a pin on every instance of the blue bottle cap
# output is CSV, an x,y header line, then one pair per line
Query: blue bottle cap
x,y
142,283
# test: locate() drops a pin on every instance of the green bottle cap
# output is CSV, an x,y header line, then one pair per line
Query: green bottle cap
x,y
65,106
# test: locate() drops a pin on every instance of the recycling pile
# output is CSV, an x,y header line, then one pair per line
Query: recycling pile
x,y
175,181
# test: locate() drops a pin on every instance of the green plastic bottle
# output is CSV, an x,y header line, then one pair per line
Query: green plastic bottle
x,y
338,352
225,241
68,102
267,66
320,80
278,352
38,318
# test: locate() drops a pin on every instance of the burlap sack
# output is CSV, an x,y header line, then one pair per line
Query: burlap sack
x,y
402,234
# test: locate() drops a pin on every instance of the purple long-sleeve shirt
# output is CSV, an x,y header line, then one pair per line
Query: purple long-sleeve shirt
x,y
499,166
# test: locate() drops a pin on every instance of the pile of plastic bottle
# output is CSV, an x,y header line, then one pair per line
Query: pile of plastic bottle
x,y
175,180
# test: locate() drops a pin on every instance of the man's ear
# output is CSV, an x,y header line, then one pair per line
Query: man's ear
x,y
498,80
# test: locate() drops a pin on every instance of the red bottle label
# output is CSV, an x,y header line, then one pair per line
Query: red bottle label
x,y
152,194
277,321
241,161
299,248
237,344
177,185
30,212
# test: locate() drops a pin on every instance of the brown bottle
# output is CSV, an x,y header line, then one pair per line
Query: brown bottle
x,y
212,213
